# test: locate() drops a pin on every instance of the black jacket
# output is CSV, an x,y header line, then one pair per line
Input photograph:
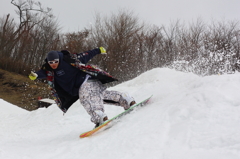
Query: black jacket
x,y
66,80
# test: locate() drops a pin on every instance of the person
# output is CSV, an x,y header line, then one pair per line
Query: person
x,y
70,79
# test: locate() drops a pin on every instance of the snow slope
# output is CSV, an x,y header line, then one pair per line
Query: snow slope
x,y
188,117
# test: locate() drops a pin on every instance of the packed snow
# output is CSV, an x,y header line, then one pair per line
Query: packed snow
x,y
188,117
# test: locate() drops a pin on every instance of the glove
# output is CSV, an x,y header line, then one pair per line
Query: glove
x,y
33,76
102,50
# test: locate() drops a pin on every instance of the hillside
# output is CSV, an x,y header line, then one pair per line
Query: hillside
x,y
20,90
188,117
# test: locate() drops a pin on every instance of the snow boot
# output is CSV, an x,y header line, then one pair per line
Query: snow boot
x,y
130,101
101,116
131,104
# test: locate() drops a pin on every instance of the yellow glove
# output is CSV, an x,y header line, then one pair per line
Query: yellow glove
x,y
102,50
33,76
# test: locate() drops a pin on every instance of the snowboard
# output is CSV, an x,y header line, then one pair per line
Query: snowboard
x,y
89,133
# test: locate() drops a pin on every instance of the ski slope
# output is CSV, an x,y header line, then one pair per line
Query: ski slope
x,y
188,117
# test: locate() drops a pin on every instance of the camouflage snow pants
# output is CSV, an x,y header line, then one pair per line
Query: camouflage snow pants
x,y
93,95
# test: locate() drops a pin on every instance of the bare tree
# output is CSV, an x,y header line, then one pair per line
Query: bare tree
x,y
23,42
76,42
119,34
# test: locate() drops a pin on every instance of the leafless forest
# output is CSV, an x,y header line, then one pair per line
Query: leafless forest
x,y
133,47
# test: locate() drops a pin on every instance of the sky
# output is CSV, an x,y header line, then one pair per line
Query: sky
x,y
75,15
188,117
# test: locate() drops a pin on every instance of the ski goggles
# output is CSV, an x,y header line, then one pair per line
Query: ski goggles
x,y
53,62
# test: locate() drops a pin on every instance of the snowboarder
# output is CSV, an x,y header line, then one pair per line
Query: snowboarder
x,y
68,83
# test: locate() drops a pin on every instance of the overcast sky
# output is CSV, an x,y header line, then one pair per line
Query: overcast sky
x,y
74,15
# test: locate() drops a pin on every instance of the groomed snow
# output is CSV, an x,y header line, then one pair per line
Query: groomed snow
x,y
188,117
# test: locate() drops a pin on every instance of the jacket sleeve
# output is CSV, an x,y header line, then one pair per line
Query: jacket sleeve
x,y
88,55
41,74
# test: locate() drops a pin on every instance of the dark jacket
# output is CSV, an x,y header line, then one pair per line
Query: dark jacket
x,y
66,80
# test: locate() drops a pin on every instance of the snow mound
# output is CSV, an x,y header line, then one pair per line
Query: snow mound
x,y
188,117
